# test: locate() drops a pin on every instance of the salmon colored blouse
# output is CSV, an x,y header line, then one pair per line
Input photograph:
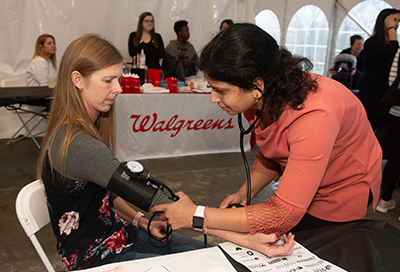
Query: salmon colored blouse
x,y
329,158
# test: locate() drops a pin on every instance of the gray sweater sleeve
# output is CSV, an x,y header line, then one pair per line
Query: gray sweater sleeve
x,y
88,159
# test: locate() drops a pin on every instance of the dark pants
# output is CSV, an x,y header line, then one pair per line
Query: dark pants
x,y
310,222
392,168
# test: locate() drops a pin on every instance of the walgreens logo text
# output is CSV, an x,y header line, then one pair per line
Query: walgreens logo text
x,y
150,123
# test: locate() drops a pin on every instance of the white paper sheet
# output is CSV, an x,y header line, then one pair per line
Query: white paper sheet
x,y
301,260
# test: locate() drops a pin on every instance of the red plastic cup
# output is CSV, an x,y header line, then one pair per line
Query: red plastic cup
x,y
157,77
150,75
172,84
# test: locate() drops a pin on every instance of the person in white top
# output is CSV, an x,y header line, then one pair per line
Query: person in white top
x,y
43,64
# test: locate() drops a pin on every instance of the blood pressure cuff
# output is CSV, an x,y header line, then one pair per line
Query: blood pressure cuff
x,y
136,188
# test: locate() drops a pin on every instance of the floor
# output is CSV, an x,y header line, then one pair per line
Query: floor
x,y
207,179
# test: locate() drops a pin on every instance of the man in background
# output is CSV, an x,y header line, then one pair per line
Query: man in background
x,y
180,58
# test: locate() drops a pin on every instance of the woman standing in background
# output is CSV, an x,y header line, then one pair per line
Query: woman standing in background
x,y
43,64
379,51
146,38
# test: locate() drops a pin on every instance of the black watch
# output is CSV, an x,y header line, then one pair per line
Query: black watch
x,y
198,219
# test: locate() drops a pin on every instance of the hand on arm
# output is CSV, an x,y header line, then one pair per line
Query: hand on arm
x,y
124,211
258,182
181,56
264,243
180,214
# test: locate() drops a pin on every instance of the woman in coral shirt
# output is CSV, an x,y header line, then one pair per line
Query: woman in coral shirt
x,y
313,135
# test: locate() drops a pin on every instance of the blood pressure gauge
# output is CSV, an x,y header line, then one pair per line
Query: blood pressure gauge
x,y
135,166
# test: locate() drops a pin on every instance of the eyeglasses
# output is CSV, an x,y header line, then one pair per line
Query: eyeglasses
x,y
149,21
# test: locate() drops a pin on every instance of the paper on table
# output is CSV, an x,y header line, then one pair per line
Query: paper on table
x,y
301,259
154,90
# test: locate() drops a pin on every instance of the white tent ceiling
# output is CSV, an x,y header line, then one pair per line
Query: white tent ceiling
x,y
21,22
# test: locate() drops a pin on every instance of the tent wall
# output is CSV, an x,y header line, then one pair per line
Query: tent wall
x,y
22,21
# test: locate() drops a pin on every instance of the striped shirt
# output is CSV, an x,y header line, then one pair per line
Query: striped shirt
x,y
394,110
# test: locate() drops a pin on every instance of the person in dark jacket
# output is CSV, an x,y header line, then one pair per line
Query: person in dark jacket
x,y
379,51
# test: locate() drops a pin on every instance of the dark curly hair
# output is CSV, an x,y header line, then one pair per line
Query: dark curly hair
x,y
244,52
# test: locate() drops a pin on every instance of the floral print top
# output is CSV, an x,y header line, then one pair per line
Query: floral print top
x,y
88,231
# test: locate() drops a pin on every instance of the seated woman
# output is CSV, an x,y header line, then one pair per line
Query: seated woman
x,y
146,38
92,224
43,65
313,135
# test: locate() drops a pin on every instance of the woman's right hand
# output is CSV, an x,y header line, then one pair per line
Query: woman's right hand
x,y
390,21
236,198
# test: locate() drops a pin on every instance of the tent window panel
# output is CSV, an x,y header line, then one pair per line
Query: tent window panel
x,y
268,21
311,37
308,35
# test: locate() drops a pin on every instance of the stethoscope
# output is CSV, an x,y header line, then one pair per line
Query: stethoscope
x,y
244,132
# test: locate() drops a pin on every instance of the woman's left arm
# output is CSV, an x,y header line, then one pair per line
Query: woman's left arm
x,y
127,213
123,210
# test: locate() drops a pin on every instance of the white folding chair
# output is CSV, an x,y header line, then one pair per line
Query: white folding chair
x,y
32,214
34,111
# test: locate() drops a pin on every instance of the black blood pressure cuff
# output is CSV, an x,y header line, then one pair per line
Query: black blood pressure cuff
x,y
134,190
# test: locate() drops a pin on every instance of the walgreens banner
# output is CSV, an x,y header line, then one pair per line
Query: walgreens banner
x,y
167,125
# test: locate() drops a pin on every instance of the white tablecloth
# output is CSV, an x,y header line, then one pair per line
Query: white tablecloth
x,y
201,260
168,125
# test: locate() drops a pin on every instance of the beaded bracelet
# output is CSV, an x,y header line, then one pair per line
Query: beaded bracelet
x,y
205,220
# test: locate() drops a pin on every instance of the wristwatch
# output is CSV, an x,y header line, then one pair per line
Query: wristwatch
x,y
198,219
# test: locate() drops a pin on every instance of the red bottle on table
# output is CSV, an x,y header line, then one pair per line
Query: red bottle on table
x,y
123,83
135,83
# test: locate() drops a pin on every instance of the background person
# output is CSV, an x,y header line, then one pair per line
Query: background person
x,y
225,23
355,49
43,65
379,51
329,169
82,177
180,56
146,38
391,144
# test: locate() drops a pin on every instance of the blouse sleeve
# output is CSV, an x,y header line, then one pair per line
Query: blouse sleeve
x,y
133,50
39,68
376,49
267,167
160,51
90,160
274,216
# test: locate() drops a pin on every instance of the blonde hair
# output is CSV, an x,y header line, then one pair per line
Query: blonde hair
x,y
39,49
87,54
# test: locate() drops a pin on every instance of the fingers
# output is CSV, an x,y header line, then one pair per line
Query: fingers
x,y
180,194
225,203
159,208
